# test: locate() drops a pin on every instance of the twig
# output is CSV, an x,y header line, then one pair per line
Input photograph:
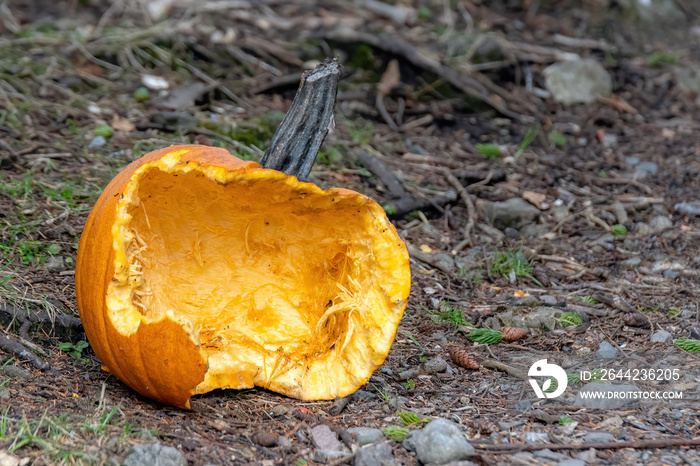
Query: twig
x,y
386,177
646,444
493,364
471,212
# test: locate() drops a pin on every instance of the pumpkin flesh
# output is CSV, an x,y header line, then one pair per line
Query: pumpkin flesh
x,y
274,282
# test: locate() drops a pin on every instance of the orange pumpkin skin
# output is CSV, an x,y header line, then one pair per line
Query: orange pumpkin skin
x,y
231,294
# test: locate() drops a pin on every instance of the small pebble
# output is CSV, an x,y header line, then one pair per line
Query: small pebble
x,y
599,437
535,437
606,351
662,336
97,142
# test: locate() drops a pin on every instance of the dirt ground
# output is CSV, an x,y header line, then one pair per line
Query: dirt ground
x,y
604,227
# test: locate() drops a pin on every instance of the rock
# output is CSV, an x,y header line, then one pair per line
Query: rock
x,y
660,223
97,142
535,437
16,372
662,336
409,442
529,301
550,455
4,394
375,455
513,213
284,442
365,435
361,395
655,12
572,462
588,456
631,263
326,456
606,396
691,209
523,405
10,460
155,454
440,442
646,169
606,351
324,438
579,81
549,300
599,437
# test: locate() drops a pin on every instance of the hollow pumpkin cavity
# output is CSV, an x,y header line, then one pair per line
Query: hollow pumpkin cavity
x,y
269,278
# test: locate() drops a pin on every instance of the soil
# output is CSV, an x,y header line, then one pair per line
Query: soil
x,y
68,69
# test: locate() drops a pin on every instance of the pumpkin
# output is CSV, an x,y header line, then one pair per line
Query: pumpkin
x,y
197,270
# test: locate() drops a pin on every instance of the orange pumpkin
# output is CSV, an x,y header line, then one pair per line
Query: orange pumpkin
x,y
197,271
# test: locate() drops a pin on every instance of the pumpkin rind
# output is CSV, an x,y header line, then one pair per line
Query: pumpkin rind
x,y
157,349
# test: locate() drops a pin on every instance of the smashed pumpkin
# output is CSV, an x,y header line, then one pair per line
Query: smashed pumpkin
x,y
197,271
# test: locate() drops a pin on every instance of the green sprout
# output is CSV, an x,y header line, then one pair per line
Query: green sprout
x,y
557,138
568,319
485,336
74,350
490,151
688,344
105,131
619,230
396,433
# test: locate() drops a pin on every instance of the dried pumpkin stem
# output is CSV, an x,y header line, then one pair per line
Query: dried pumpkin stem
x,y
296,142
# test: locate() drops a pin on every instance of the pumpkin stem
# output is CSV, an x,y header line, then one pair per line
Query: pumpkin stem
x,y
296,142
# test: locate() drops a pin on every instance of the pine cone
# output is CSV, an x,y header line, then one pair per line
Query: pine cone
x,y
513,333
464,358
541,273
635,319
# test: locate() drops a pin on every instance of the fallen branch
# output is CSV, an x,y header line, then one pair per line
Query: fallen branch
x,y
493,364
21,352
646,444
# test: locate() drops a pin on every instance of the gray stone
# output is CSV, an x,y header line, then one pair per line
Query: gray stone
x,y
646,169
549,300
326,456
550,455
606,351
572,462
691,209
16,372
523,405
535,437
324,438
513,213
577,81
363,395
631,263
529,301
599,437
440,442
97,142
284,442
409,442
155,454
671,273
365,435
655,12
4,394
662,336
612,396
589,456
660,223
375,455
642,228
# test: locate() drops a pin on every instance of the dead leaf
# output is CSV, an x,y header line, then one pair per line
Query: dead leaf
x,y
390,79
536,199
122,124
425,248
